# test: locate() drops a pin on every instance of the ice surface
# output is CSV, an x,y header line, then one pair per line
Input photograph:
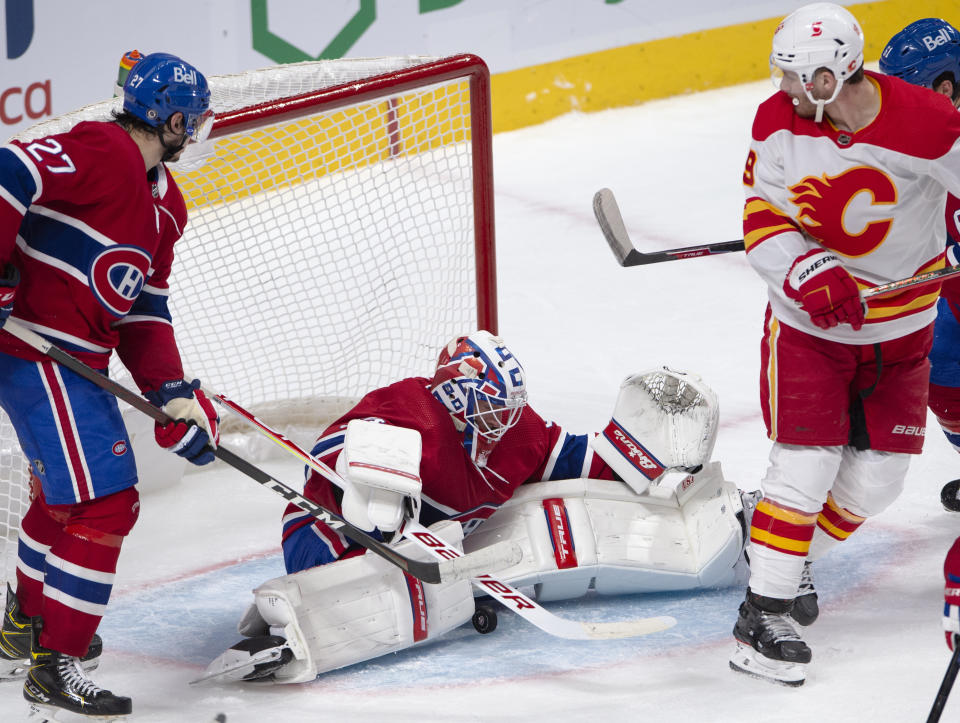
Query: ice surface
x,y
579,323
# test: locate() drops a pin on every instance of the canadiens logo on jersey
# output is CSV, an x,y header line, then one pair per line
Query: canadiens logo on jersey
x,y
117,275
846,212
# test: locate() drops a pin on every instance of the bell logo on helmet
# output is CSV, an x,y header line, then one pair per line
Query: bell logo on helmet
x,y
182,75
934,41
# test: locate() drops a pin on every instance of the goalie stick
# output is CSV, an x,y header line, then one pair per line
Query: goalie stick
x,y
430,572
511,598
607,211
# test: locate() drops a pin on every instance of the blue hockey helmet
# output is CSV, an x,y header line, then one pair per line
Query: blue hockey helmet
x,y
922,52
160,85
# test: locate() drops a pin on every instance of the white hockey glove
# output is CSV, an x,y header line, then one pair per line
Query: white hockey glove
x,y
380,465
663,420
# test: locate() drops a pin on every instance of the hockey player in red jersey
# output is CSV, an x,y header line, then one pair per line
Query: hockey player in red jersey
x,y
464,453
927,53
845,185
88,220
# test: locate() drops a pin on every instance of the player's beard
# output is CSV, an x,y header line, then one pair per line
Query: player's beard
x,y
803,106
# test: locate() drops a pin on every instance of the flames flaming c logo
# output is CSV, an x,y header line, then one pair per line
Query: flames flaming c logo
x,y
823,204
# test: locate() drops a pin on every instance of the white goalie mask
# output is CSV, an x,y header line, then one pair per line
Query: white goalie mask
x,y
820,35
483,387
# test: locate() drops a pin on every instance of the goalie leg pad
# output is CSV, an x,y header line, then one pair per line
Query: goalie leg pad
x,y
583,534
359,608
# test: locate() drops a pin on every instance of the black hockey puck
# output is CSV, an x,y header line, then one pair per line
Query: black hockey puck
x,y
484,619
950,496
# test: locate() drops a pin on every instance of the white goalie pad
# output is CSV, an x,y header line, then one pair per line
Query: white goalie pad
x,y
380,464
357,609
663,420
584,534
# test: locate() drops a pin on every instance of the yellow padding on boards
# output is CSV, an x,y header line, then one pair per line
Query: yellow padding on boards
x,y
291,153
688,63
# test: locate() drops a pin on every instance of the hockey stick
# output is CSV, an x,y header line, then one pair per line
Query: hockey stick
x,y
509,596
608,215
946,686
607,211
430,572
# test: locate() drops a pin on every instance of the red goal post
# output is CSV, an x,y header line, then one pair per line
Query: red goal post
x,y
341,230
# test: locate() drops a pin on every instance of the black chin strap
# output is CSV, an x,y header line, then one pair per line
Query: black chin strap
x,y
170,149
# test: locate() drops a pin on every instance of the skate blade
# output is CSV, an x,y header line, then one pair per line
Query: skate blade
x,y
748,661
40,713
14,669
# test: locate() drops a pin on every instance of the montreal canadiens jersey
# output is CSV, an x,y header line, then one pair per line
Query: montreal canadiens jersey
x,y
92,234
453,486
951,287
876,197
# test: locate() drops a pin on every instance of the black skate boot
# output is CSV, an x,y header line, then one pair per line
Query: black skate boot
x,y
56,682
950,496
768,646
16,635
806,608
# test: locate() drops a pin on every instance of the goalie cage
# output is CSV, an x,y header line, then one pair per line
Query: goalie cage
x,y
340,232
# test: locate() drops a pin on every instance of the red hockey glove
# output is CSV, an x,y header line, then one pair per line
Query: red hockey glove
x,y
825,290
951,595
8,291
195,431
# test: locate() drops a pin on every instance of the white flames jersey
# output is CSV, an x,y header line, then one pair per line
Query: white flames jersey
x,y
875,197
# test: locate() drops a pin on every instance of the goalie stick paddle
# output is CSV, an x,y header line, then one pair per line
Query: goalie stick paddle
x,y
430,572
607,211
511,598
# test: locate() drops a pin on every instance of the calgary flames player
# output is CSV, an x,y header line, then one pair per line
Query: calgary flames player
x,y
845,182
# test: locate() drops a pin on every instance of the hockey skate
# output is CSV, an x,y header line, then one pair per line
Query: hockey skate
x,y
950,496
16,637
768,646
56,683
806,607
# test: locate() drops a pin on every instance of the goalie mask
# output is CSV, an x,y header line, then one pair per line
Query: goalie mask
x,y
483,387
820,35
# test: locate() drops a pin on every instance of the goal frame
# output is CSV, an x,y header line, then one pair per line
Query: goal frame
x,y
379,86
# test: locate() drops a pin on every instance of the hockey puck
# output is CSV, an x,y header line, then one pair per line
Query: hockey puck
x,y
484,619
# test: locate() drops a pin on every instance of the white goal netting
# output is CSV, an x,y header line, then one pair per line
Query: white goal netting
x,y
334,242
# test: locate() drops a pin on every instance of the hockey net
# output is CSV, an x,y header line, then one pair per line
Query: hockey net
x,y
340,232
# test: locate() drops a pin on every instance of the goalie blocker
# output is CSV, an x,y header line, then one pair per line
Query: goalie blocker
x,y
576,535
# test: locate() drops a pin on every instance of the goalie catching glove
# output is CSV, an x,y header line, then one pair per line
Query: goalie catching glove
x,y
663,420
380,467
195,429
825,290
